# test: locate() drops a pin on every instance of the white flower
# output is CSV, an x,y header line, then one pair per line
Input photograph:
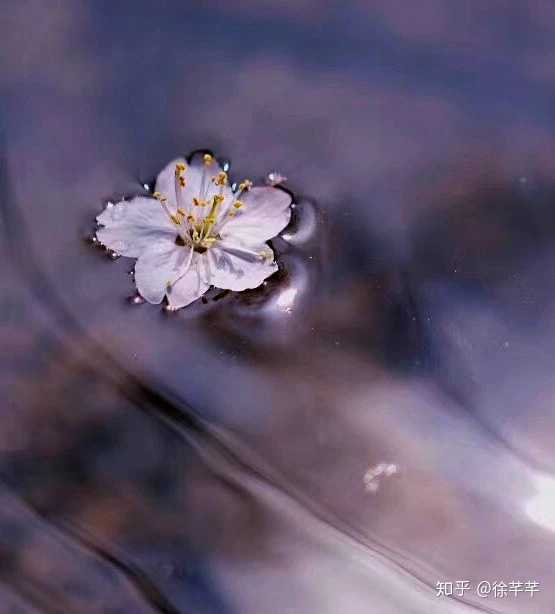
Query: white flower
x,y
196,232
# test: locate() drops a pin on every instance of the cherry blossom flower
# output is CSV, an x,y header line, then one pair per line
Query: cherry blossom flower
x,y
195,231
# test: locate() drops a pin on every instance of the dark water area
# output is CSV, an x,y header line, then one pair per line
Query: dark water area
x,y
378,416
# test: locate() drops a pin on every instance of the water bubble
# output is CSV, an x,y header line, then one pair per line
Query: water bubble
x,y
113,255
226,165
274,178
92,239
136,299
147,187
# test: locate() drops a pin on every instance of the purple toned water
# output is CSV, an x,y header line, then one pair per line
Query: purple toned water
x,y
376,419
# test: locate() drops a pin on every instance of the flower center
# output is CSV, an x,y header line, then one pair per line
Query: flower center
x,y
198,222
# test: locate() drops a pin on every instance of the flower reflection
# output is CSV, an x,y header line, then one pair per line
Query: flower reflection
x,y
286,299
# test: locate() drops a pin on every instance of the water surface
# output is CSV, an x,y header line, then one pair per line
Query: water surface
x,y
223,460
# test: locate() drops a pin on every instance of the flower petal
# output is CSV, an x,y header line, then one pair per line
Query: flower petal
x,y
236,266
190,287
158,266
267,212
131,226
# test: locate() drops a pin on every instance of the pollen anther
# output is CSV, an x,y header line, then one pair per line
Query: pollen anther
x,y
160,197
245,185
207,159
221,178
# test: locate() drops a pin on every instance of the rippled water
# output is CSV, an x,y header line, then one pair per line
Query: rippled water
x,y
376,418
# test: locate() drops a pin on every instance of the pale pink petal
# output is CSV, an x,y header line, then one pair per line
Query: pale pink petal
x,y
190,287
238,266
157,267
165,183
266,213
130,227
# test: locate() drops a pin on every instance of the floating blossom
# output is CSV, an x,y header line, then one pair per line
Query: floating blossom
x,y
195,232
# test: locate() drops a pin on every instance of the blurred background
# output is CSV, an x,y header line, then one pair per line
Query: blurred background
x,y
379,417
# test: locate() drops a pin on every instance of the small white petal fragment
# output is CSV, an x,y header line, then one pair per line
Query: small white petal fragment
x,y
373,476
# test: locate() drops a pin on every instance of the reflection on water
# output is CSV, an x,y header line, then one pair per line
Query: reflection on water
x,y
374,418
541,507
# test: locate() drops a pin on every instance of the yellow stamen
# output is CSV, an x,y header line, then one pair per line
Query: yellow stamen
x,y
160,197
221,178
245,185
207,159
199,202
179,170
239,204
212,217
